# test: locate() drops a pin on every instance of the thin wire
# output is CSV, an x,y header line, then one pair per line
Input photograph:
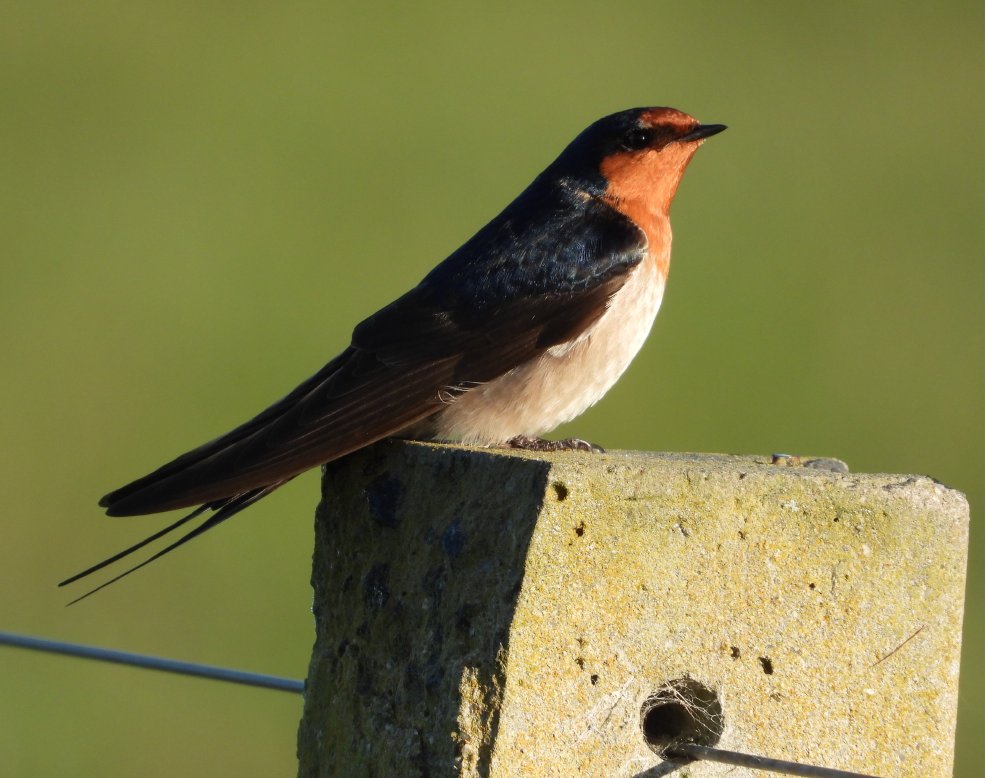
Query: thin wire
x,y
759,762
682,752
153,663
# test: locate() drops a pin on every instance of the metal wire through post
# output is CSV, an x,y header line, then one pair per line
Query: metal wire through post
x,y
676,758
153,663
737,759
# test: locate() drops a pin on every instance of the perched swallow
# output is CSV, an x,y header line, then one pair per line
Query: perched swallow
x,y
523,328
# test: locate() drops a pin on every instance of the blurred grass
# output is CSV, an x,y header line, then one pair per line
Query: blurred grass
x,y
200,200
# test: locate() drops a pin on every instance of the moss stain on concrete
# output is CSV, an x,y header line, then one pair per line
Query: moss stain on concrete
x,y
516,609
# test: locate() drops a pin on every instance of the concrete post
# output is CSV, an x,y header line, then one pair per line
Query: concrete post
x,y
486,613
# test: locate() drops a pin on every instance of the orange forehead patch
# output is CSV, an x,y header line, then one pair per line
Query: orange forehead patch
x,y
667,116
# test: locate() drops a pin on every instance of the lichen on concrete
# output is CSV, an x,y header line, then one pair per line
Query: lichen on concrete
x,y
496,613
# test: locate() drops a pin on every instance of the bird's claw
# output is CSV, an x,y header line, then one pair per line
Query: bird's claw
x,y
539,444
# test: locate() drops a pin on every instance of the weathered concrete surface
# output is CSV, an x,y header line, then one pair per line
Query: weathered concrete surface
x,y
491,613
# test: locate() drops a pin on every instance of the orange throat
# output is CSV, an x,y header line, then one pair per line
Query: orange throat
x,y
641,186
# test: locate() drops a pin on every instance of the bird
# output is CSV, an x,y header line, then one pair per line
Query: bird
x,y
524,327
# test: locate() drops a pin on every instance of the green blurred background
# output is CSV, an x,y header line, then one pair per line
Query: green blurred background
x,y
199,201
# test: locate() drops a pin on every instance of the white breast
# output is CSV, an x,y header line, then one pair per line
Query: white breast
x,y
536,397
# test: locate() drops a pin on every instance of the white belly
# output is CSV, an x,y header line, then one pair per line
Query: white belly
x,y
536,397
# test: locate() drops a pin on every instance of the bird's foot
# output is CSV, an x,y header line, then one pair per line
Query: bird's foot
x,y
539,444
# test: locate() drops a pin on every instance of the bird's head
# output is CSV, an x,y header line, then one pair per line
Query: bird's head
x,y
636,155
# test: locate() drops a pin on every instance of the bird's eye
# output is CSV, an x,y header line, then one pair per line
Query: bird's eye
x,y
637,139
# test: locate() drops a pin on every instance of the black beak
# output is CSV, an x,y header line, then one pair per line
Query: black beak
x,y
703,131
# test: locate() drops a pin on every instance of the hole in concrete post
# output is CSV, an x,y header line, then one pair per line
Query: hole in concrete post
x,y
681,712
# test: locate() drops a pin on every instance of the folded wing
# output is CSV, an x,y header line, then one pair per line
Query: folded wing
x,y
501,300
